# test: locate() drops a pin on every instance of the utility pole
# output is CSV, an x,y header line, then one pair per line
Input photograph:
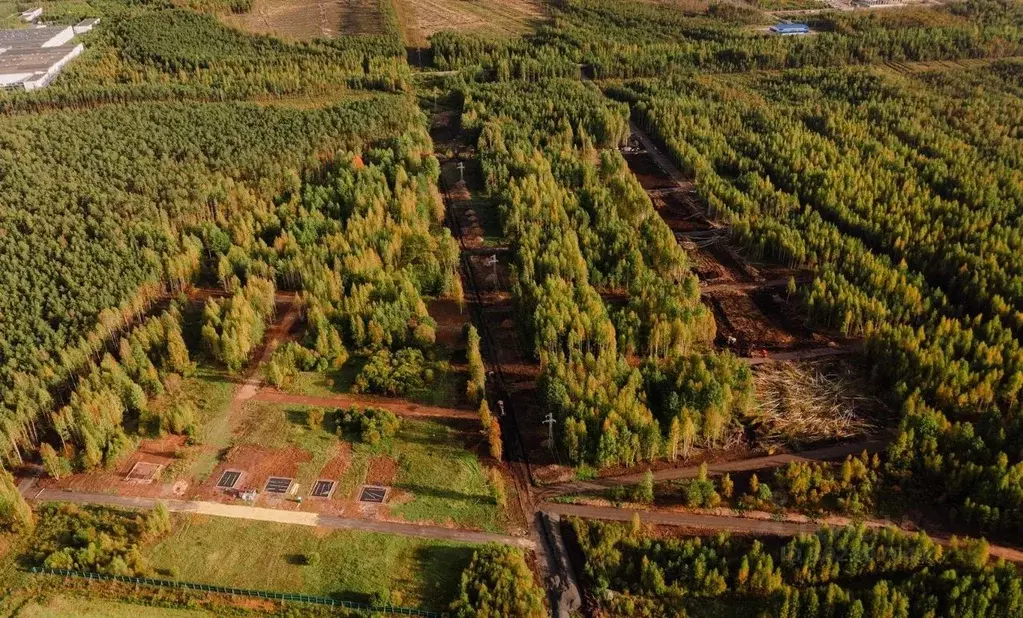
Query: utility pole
x,y
461,172
549,421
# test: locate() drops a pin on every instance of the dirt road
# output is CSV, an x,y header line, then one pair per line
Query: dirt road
x,y
807,354
743,287
741,525
274,336
688,520
399,407
216,509
872,445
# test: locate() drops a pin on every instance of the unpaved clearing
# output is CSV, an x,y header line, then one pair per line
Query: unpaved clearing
x,y
501,18
305,20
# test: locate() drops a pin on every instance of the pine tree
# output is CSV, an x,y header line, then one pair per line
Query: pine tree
x,y
727,486
476,386
645,490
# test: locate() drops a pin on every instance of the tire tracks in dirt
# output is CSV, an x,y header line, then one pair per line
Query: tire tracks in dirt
x,y
398,407
735,524
871,445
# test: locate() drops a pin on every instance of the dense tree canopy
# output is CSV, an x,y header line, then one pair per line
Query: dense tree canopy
x,y
499,584
580,224
106,209
907,211
843,572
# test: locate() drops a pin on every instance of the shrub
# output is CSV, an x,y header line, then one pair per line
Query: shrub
x,y
55,465
402,373
290,358
497,486
15,514
645,490
475,388
700,492
370,425
314,418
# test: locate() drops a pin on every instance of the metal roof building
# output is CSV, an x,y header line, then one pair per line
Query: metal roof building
x,y
41,36
790,29
31,58
34,68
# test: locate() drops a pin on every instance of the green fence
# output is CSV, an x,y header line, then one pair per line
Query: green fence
x,y
258,594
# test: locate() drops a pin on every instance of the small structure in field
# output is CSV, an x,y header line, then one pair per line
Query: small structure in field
x,y
874,3
789,29
85,25
31,15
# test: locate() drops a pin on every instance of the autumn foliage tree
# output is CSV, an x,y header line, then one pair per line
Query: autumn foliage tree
x,y
498,584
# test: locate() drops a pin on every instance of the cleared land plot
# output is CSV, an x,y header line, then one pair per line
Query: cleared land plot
x,y
498,18
431,466
355,566
305,20
806,402
184,465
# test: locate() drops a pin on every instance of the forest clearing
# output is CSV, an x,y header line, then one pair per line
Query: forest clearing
x,y
420,19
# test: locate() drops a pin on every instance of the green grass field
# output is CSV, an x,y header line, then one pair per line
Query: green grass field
x,y
446,480
354,566
74,607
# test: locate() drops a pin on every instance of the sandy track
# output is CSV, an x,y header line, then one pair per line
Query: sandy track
x,y
301,518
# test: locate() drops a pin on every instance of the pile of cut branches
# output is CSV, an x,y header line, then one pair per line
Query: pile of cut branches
x,y
807,402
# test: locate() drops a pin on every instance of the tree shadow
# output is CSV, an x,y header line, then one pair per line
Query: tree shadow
x,y
443,494
441,566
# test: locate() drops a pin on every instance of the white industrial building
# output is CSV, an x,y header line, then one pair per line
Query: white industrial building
x,y
31,58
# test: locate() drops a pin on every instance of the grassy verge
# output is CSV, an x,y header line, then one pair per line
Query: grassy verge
x,y
74,607
211,392
351,565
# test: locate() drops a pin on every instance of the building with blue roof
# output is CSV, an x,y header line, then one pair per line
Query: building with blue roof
x,y
790,29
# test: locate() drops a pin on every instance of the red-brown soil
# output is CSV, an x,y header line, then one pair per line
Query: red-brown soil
x,y
451,323
381,471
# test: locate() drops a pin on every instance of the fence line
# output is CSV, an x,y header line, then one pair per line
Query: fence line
x,y
258,594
